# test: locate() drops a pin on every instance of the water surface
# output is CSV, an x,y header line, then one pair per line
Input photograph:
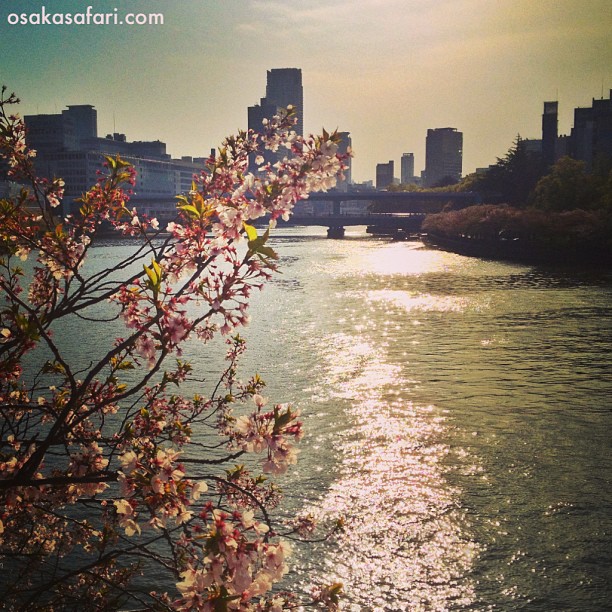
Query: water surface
x,y
458,417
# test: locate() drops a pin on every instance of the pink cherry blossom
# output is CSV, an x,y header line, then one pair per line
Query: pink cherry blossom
x,y
103,463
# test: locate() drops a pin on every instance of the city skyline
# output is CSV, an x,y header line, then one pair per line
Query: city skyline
x,y
384,71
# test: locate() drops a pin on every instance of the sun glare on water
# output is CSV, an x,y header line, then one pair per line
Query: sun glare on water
x,y
403,521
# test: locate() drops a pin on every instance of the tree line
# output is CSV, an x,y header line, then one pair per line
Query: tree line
x,y
564,206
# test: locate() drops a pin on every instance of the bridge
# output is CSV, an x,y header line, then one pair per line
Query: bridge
x,y
392,224
402,214
402,211
406,197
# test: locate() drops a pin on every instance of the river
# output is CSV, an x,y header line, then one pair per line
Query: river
x,y
458,415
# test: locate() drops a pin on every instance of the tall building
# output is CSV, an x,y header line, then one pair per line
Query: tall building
x,y
49,133
384,175
591,136
283,89
443,156
5,185
549,132
407,168
259,112
63,131
256,115
85,121
343,148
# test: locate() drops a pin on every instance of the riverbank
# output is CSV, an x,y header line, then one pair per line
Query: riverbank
x,y
531,236
520,250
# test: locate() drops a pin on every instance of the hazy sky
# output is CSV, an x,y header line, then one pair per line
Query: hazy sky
x,y
384,70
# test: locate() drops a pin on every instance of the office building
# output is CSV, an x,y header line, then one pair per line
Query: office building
x,y
62,131
443,156
549,132
407,168
591,136
256,116
344,147
384,175
283,89
68,146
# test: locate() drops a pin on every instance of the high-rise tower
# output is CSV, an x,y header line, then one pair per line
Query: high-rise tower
x,y
591,136
443,156
344,146
284,88
407,168
384,175
549,132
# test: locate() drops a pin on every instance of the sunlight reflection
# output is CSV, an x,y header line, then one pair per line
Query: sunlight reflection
x,y
384,259
404,258
420,301
404,540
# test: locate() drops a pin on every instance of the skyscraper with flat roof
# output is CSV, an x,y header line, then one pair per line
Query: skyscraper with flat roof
x,y
85,120
407,168
384,175
549,132
443,156
283,89
343,148
591,136
259,112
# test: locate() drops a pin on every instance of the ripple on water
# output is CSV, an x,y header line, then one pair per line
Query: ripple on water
x,y
405,530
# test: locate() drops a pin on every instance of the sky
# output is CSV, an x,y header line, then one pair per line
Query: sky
x,y
383,70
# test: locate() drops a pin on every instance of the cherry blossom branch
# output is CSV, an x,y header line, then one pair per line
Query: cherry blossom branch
x,y
116,435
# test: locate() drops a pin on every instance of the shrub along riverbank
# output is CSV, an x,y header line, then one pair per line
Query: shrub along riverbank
x,y
506,232
561,214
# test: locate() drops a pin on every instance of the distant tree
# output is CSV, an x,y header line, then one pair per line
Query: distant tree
x,y
445,181
470,182
567,187
552,229
404,187
602,177
605,201
512,179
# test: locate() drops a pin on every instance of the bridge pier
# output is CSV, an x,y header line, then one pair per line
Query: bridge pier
x,y
335,232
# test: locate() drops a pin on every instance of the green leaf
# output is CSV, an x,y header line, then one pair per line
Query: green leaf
x,y
150,274
257,244
154,274
250,231
267,252
280,420
53,367
192,210
157,269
